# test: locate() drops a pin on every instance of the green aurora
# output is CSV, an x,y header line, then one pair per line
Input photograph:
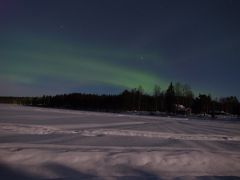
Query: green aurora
x,y
33,60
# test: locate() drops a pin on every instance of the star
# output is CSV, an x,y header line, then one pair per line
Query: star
x,y
61,27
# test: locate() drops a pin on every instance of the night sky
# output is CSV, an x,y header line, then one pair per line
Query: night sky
x,y
105,46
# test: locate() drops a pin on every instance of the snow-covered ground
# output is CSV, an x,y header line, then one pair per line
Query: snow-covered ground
x,y
41,143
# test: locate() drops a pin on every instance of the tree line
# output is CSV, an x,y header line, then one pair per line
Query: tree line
x,y
177,98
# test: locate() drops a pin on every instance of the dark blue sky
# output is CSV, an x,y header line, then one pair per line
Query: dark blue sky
x,y
105,46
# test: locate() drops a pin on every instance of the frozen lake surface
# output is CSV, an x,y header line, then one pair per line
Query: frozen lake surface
x,y
41,143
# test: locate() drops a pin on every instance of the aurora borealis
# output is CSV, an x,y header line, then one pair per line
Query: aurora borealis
x,y
60,46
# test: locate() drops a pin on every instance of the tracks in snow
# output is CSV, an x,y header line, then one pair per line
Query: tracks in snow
x,y
45,130
161,135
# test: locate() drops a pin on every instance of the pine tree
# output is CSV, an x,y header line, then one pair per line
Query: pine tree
x,y
170,99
